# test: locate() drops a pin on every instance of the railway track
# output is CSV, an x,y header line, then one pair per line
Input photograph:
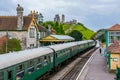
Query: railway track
x,y
73,72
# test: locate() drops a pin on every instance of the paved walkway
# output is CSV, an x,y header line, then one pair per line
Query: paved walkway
x,y
98,70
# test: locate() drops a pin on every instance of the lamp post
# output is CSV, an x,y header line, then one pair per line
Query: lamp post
x,y
37,40
6,40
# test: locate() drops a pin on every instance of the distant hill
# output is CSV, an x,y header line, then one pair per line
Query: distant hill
x,y
87,33
68,28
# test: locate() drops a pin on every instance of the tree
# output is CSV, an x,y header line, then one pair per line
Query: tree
x,y
61,29
12,45
40,18
76,34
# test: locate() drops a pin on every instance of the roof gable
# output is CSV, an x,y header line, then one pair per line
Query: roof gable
x,y
115,27
34,24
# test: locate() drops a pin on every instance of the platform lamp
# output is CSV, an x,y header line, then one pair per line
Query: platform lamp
x,y
6,41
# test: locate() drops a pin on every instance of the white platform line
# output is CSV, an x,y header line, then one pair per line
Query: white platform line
x,y
89,60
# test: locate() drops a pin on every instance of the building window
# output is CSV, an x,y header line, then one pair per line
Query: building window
x,y
111,33
118,33
115,59
32,33
31,45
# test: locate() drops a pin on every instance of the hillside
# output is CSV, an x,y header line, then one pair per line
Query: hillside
x,y
87,33
68,28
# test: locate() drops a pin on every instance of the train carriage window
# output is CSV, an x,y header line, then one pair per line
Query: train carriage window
x,y
20,67
82,46
30,66
60,54
56,55
9,75
39,64
1,75
45,60
49,58
45,57
20,71
63,50
38,60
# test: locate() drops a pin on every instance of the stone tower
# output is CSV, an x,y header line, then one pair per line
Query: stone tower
x,y
19,17
63,18
57,18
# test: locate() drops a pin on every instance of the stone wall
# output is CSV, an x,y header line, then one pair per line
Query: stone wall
x,y
23,36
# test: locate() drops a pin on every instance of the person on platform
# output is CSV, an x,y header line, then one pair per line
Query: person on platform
x,y
100,50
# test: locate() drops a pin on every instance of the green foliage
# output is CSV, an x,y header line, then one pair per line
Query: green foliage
x,y
87,33
77,35
61,29
48,23
68,28
40,18
55,25
40,22
12,45
101,37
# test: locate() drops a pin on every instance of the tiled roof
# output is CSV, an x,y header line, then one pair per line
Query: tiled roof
x,y
10,22
114,48
53,31
41,28
115,27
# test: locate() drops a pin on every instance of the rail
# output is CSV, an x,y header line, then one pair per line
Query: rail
x,y
73,73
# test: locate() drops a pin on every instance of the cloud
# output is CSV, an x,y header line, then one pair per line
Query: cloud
x,y
6,7
88,12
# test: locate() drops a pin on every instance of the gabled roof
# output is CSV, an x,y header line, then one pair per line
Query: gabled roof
x,y
114,48
41,28
10,22
115,27
57,38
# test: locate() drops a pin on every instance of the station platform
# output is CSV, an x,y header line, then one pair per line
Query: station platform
x,y
96,68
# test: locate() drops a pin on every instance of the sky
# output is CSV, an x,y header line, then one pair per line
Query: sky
x,y
94,14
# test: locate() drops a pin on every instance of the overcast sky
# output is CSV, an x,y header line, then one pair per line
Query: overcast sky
x,y
94,14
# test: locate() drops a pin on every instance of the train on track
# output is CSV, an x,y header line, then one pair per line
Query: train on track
x,y
33,63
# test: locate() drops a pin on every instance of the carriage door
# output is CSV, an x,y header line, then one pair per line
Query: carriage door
x,y
10,75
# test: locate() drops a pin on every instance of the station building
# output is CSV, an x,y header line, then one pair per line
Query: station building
x,y
114,55
113,46
24,28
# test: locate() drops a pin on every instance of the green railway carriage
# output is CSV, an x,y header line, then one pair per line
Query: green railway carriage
x,y
68,50
26,65
63,52
33,63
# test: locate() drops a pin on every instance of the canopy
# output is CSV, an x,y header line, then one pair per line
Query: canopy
x,y
57,38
